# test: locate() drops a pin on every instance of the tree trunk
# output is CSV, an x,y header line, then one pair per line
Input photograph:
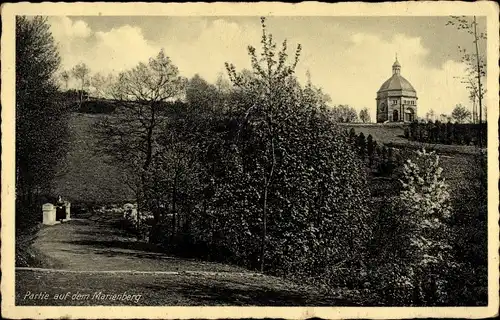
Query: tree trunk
x,y
264,230
174,203
479,83
264,209
81,94
149,139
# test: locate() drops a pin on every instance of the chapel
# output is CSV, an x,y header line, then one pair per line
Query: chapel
x,y
396,98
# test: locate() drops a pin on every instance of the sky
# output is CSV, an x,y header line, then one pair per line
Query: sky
x,y
348,57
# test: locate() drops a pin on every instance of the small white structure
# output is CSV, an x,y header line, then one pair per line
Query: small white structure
x,y
49,214
67,205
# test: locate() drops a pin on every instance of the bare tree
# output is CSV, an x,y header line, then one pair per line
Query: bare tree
x,y
101,84
223,87
476,63
130,136
364,115
430,115
81,72
315,95
65,77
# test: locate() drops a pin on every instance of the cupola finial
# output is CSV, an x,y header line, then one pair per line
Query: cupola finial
x,y
396,67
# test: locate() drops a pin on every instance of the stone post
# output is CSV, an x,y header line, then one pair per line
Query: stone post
x,y
67,204
49,214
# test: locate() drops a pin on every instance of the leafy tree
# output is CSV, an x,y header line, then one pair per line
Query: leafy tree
x,y
364,115
370,149
407,133
352,136
361,144
285,175
387,162
460,113
314,95
268,90
81,72
224,89
41,117
130,137
344,113
201,94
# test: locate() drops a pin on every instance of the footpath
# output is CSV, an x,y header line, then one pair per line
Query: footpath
x,y
94,263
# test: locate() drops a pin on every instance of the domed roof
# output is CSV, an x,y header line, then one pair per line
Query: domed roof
x,y
396,82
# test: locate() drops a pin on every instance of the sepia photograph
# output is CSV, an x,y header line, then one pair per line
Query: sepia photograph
x,y
249,158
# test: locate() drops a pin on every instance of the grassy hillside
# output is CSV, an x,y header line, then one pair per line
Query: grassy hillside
x,y
392,134
382,133
85,176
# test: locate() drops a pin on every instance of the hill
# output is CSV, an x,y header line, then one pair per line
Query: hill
x,y
86,176
382,133
392,135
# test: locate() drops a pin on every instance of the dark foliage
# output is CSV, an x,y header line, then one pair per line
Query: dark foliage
x,y
97,106
41,116
469,223
268,182
447,133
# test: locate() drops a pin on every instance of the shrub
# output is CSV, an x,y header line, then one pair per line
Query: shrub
x,y
425,192
426,202
412,231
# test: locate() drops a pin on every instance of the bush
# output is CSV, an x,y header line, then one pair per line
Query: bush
x,y
411,250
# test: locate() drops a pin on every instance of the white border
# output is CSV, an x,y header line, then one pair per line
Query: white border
x,y
434,8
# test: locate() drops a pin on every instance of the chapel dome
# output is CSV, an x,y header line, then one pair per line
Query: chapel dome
x,y
396,82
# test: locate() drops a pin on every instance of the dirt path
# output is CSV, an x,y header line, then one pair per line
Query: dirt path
x,y
84,244
94,263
